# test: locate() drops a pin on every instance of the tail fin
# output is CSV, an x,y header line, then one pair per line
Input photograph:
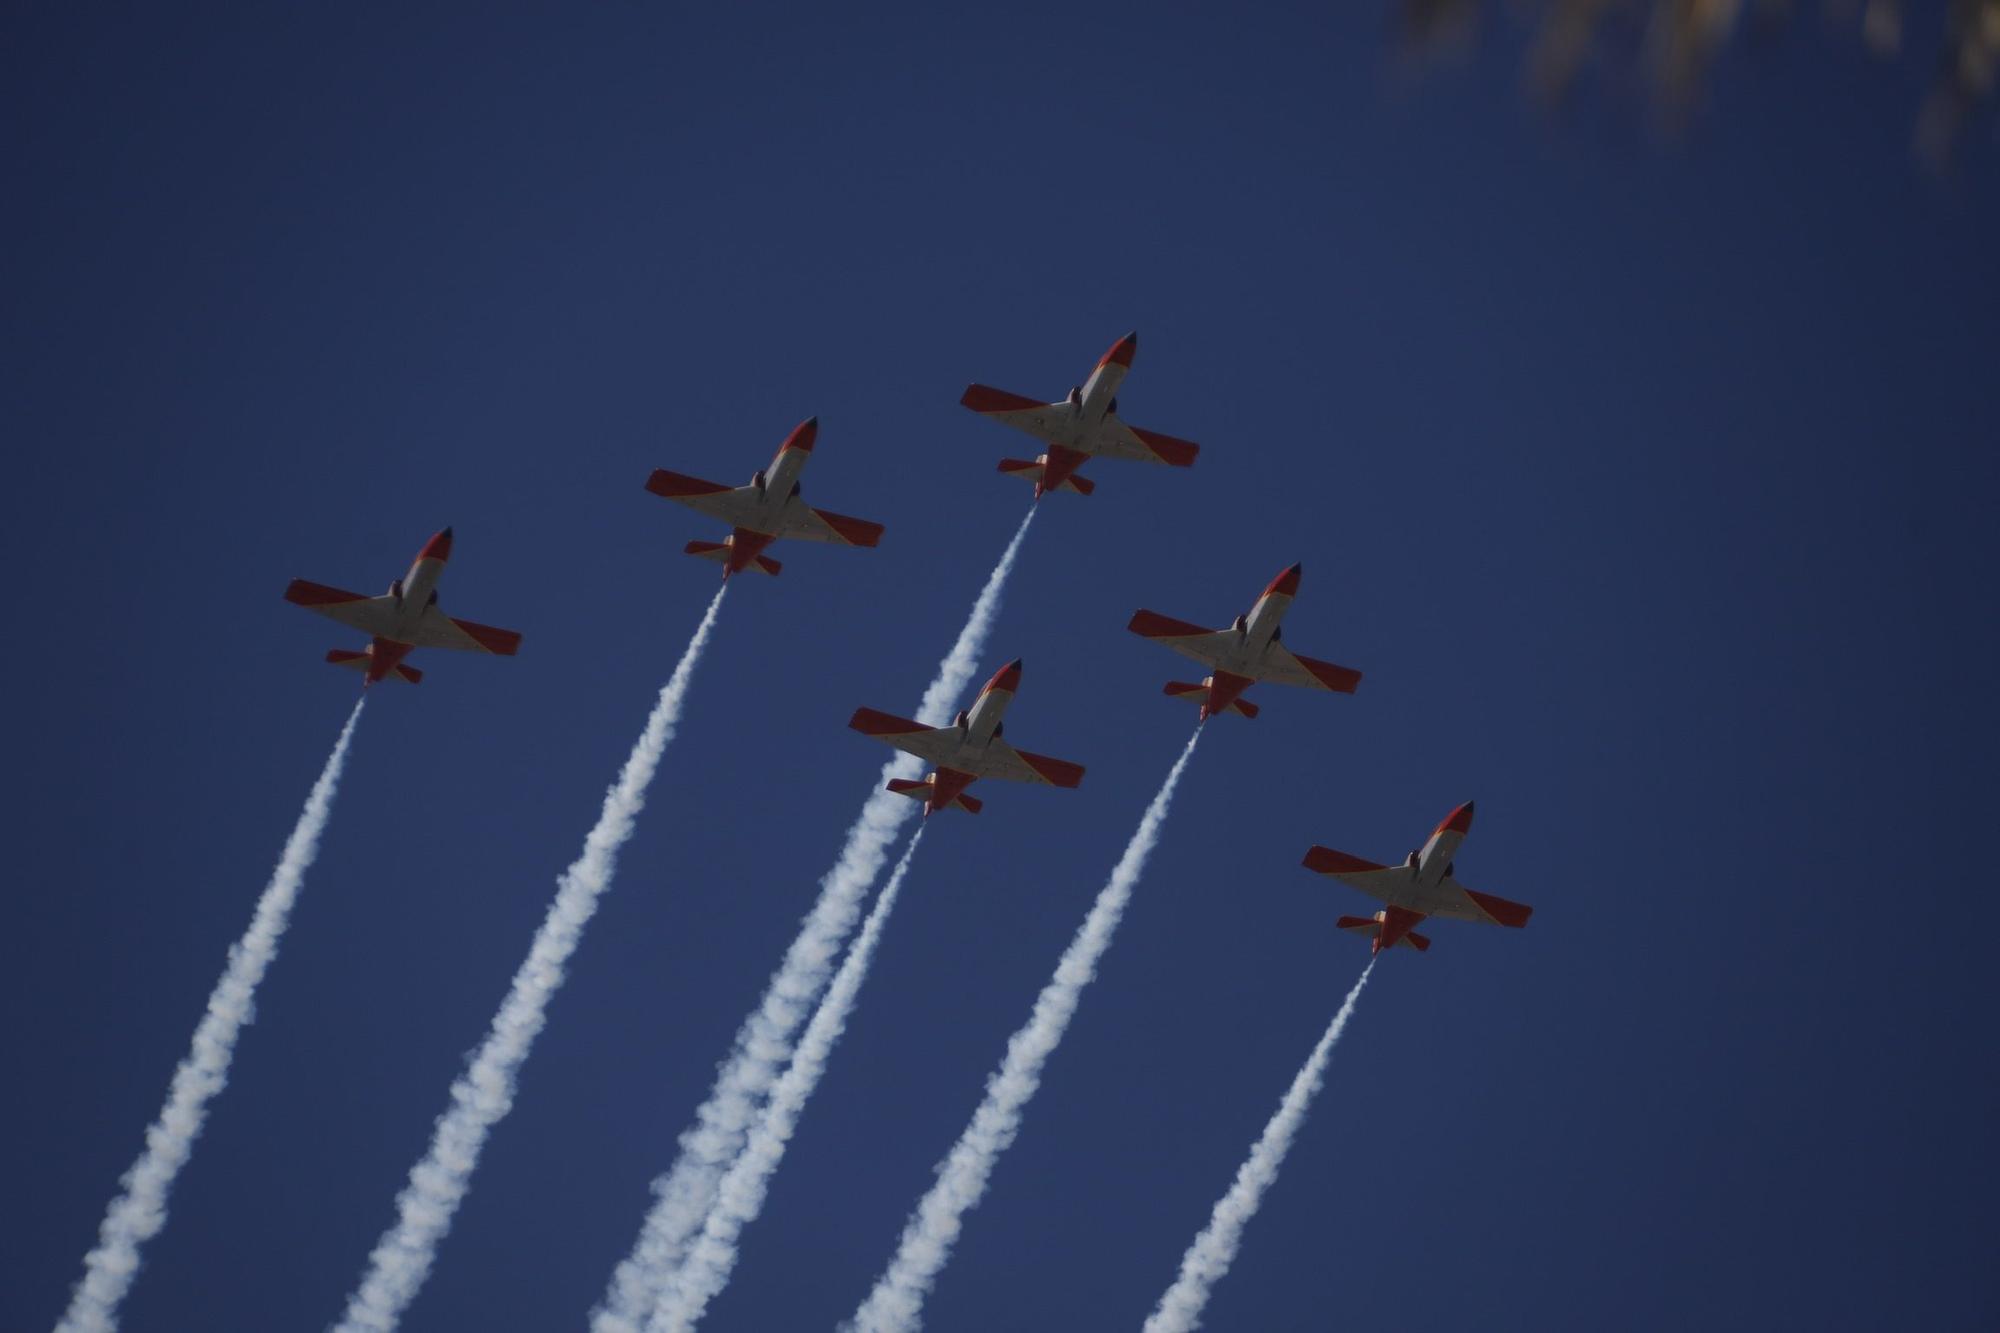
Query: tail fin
x,y
1180,689
1022,468
341,657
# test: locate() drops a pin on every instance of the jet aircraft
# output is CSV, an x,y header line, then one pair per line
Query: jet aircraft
x,y
1247,652
765,510
967,750
1420,887
1082,426
406,617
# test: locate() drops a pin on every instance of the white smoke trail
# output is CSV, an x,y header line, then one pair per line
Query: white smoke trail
x,y
897,1301
138,1213
741,1193
484,1093
683,1196
1179,1310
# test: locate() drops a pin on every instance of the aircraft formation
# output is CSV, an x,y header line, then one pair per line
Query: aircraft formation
x,y
1075,429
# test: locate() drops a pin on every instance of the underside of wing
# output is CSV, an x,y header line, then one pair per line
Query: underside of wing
x,y
804,523
1207,646
1389,884
1283,667
1114,439
1043,420
370,615
732,504
1463,904
438,630
931,744
1008,764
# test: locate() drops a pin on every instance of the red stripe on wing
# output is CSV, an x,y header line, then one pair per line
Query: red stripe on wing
x,y
1156,626
1178,453
1060,772
1503,912
502,641
672,484
1326,861
853,531
981,398
871,723
303,593
1341,678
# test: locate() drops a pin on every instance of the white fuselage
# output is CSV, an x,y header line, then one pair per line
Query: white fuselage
x,y
1098,391
413,593
981,722
776,488
1256,631
1436,856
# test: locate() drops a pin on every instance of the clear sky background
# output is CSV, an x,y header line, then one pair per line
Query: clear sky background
x,y
1650,485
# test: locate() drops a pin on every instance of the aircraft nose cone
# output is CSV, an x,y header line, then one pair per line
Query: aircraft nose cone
x,y
802,436
1459,820
1007,678
1287,583
438,547
1122,351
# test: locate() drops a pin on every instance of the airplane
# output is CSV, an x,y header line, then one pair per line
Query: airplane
x,y
765,510
967,750
406,617
1082,426
1247,652
1420,887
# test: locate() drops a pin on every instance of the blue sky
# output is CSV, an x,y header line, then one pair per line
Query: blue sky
x,y
1650,486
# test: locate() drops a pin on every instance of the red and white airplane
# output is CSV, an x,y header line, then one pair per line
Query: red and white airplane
x,y
406,617
965,751
765,510
1422,886
1245,653
1083,425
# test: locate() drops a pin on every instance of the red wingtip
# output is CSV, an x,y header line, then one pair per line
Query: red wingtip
x,y
1459,820
802,436
1121,352
1287,583
437,548
1007,678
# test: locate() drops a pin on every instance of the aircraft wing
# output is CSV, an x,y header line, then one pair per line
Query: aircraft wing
x,y
934,745
370,615
734,505
1283,667
1114,439
1389,884
438,630
1470,905
1042,420
805,523
1003,761
1207,646
1397,886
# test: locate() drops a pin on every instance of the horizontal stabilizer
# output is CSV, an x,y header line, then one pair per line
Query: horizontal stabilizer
x,y
342,657
922,791
1027,471
719,552
1180,689
1364,925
